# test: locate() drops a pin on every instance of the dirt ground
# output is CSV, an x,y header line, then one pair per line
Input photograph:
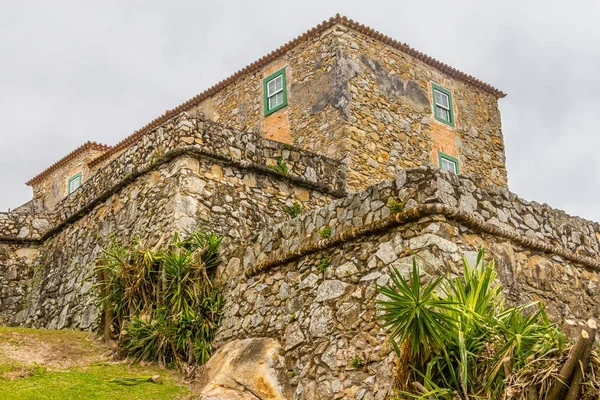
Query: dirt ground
x,y
53,349
67,365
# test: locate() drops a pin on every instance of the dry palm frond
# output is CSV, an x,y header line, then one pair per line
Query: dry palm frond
x,y
541,374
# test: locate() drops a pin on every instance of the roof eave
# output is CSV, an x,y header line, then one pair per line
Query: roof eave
x,y
338,19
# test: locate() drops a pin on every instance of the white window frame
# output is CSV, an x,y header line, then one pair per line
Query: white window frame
x,y
271,96
78,177
443,107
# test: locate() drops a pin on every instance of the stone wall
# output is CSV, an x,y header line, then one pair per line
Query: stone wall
x,y
17,265
187,174
317,295
21,227
391,124
191,135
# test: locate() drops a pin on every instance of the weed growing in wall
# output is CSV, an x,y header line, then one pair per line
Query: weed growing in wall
x,y
160,302
323,264
357,362
280,167
294,210
395,206
325,232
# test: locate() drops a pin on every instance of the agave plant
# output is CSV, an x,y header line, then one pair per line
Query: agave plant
x,y
457,334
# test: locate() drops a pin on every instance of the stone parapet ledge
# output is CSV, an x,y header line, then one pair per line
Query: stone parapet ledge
x,y
23,227
189,135
415,193
185,135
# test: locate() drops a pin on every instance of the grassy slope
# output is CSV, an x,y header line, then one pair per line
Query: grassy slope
x,y
43,364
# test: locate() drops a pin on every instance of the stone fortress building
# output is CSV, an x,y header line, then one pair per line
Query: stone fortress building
x,y
394,151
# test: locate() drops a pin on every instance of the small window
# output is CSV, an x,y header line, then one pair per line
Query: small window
x,y
442,105
448,163
74,182
275,92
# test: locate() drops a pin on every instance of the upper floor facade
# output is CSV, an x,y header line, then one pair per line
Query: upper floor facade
x,y
344,91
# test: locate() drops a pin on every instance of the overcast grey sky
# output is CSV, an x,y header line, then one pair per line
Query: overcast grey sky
x,y
82,70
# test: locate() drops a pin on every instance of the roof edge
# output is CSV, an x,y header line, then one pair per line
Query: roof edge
x,y
337,19
89,145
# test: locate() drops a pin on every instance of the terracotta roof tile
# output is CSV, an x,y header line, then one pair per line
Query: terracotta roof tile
x,y
81,149
338,19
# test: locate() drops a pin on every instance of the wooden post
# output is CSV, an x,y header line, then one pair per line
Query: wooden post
x,y
584,361
561,381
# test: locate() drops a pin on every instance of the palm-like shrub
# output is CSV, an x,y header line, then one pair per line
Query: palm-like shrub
x,y
160,302
458,336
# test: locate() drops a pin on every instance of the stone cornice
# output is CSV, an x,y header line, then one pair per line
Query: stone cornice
x,y
413,214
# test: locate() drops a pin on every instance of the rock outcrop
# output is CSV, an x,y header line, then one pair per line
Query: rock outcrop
x,y
247,369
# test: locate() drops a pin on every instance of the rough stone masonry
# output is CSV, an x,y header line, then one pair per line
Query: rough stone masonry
x,y
189,173
356,148
326,317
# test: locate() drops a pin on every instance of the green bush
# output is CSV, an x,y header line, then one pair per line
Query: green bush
x,y
457,334
160,302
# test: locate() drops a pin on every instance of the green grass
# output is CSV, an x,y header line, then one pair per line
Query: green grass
x,y
91,383
73,368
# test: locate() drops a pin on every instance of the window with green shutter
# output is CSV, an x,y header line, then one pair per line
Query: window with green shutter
x,y
275,92
442,105
448,163
74,182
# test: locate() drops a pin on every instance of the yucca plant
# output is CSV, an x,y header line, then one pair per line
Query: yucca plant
x,y
415,314
160,301
457,334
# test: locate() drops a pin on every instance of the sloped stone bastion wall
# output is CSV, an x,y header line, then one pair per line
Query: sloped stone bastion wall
x,y
186,174
19,249
291,281
326,317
